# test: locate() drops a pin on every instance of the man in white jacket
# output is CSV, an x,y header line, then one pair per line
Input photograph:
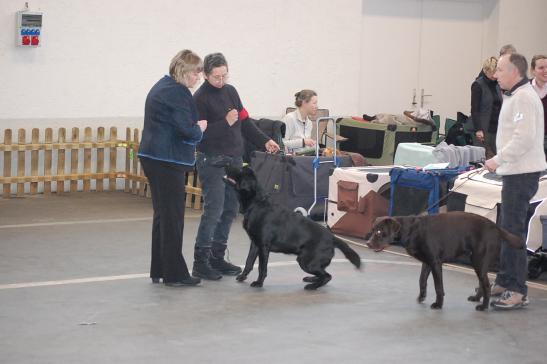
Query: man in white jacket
x,y
520,159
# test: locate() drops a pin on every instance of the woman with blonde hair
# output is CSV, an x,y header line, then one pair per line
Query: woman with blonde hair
x,y
485,107
167,151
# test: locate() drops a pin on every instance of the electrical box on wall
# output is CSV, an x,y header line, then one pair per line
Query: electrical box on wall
x,y
29,28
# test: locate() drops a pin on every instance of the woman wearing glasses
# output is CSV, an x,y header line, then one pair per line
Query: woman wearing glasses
x,y
218,102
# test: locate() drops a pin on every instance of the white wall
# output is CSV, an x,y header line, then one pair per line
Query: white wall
x,y
519,22
523,23
490,29
415,47
99,58
438,46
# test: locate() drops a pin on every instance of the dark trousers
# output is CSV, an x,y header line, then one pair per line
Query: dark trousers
x,y
220,203
516,193
168,199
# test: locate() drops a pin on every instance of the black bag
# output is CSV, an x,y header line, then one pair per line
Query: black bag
x,y
274,129
457,135
290,179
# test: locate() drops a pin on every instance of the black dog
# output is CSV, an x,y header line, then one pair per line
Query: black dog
x,y
435,239
275,228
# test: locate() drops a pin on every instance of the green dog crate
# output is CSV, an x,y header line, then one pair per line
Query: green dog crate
x,y
378,142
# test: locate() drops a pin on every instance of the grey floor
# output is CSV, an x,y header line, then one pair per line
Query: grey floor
x,y
74,289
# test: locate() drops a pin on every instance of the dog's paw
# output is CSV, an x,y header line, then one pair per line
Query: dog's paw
x,y
311,286
310,279
420,298
256,284
481,307
436,306
473,299
241,277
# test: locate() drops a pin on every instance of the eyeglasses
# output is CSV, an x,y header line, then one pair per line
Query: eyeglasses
x,y
218,78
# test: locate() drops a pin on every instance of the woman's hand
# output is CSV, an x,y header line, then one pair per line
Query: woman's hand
x,y
231,117
202,124
480,135
271,146
309,142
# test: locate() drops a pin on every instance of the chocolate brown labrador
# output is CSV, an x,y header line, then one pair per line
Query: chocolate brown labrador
x,y
436,239
275,228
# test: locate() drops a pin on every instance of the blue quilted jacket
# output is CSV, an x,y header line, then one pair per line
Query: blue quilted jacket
x,y
170,131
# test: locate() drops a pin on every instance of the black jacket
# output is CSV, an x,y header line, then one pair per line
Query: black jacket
x,y
485,104
220,138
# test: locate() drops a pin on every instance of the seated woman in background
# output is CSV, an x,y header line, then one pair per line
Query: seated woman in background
x,y
485,107
298,123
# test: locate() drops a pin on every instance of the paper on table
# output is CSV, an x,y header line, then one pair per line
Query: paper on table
x,y
436,166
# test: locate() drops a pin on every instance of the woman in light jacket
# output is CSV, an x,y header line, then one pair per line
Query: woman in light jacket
x,y
298,123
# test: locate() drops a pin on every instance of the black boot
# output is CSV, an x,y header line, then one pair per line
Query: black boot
x,y
218,263
202,266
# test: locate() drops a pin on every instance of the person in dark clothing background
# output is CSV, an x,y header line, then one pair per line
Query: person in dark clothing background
x,y
538,69
485,107
166,152
222,145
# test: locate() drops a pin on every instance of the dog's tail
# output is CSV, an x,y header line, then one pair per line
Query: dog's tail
x,y
349,253
512,239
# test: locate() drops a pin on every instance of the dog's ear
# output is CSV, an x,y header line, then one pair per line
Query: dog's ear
x,y
390,222
248,181
380,219
396,225
231,171
248,170
248,185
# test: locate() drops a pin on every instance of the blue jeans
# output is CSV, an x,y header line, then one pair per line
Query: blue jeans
x,y
516,193
220,200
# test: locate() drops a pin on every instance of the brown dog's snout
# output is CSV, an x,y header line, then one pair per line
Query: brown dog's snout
x,y
369,244
375,244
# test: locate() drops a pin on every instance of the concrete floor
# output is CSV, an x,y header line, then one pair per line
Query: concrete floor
x,y
74,289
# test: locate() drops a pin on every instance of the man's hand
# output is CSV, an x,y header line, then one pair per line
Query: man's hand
x,y
491,165
202,124
231,117
309,142
480,135
271,146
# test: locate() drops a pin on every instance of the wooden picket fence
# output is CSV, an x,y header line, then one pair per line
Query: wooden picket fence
x,y
66,178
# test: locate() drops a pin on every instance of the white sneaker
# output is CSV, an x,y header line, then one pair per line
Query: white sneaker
x,y
510,300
